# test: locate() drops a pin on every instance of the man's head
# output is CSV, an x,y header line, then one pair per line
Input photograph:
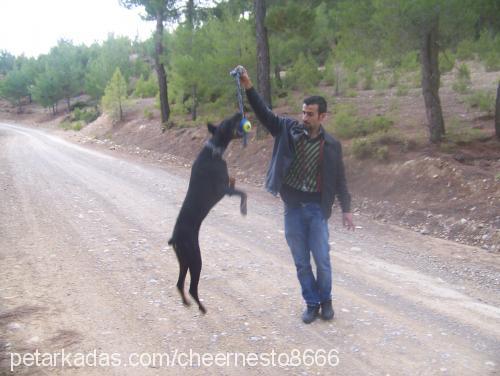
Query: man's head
x,y
313,112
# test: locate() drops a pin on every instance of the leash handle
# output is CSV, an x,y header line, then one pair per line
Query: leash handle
x,y
236,73
245,125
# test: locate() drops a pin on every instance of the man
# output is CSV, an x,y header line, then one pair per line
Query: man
x,y
307,171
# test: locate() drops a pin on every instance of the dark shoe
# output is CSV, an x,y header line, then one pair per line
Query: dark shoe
x,y
327,312
310,314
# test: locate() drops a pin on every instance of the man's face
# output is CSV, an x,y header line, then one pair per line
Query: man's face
x,y
310,116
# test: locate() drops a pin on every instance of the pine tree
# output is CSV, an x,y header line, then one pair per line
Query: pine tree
x,y
114,95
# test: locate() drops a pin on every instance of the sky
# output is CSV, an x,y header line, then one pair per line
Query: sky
x,y
32,27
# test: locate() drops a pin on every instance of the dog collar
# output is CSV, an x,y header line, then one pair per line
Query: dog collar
x,y
217,151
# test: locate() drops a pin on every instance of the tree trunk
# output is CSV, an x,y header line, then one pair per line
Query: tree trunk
x,y
263,60
337,80
190,21
120,110
429,52
277,75
160,70
497,113
195,103
68,104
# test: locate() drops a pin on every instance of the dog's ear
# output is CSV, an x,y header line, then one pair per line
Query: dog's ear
x,y
211,128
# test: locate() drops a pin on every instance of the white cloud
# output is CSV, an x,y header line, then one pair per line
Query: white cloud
x,y
32,27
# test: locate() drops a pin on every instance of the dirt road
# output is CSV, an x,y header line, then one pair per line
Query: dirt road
x,y
85,269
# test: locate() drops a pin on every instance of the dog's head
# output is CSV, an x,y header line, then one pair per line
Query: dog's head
x,y
229,129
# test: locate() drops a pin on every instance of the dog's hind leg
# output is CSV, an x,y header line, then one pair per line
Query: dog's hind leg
x,y
195,271
183,268
180,283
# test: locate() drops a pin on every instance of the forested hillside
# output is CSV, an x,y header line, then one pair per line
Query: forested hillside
x,y
287,45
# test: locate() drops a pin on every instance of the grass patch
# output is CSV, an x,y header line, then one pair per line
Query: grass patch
x,y
346,123
483,100
460,133
72,125
365,148
86,115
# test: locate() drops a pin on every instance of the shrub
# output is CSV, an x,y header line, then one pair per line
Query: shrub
x,y
409,62
460,87
463,72
402,90
382,84
351,93
460,133
488,49
367,75
345,122
465,50
87,115
492,61
364,148
462,82
352,80
146,88
483,100
378,123
348,125
303,74
148,114
446,61
72,125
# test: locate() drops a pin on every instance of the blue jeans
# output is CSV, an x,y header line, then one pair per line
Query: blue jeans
x,y
306,232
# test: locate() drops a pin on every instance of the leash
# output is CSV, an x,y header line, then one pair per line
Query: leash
x,y
245,125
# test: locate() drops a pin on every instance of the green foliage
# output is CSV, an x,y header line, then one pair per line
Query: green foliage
x,y
460,133
465,49
365,148
148,113
488,49
483,100
221,44
345,121
463,72
352,80
303,74
115,94
410,62
66,69
14,87
446,61
402,90
462,79
114,53
367,75
86,115
69,125
351,93
346,124
47,90
492,61
460,86
146,88
7,61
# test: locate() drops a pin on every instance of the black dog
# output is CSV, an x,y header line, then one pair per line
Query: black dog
x,y
208,184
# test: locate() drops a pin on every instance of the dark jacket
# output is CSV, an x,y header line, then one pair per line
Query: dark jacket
x,y
285,132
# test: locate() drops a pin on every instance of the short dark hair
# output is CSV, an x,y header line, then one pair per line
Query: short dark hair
x,y
316,99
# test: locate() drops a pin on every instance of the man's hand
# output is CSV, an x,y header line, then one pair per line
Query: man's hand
x,y
244,78
347,221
